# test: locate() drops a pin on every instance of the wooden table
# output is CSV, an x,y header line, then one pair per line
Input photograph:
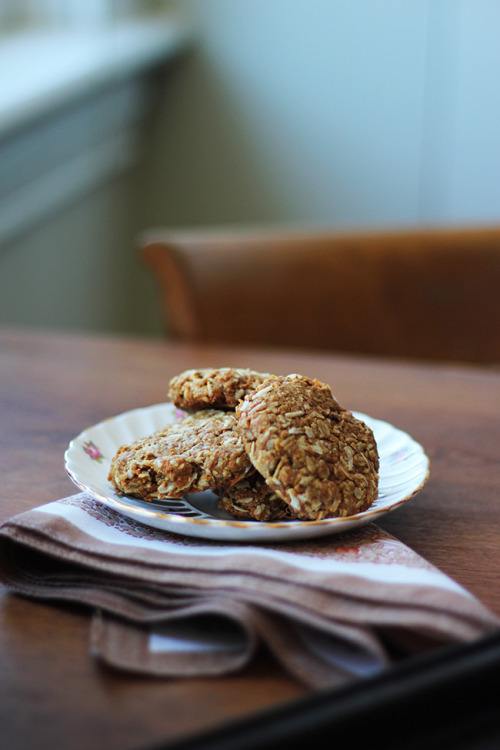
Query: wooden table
x,y
54,385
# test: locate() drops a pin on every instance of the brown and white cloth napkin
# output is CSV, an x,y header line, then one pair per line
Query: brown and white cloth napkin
x,y
329,609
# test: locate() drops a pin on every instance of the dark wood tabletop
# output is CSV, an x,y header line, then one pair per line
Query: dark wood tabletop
x,y
54,385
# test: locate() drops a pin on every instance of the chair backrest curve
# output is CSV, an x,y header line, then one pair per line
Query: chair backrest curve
x,y
423,293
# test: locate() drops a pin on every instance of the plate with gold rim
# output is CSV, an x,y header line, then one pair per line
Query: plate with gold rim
x,y
404,469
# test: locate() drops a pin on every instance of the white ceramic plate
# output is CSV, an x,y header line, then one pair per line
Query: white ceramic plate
x,y
404,468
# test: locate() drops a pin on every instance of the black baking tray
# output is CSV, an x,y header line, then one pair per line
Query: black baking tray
x,y
448,698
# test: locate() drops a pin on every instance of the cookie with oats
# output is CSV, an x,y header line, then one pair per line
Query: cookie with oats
x,y
200,452
213,388
315,455
253,499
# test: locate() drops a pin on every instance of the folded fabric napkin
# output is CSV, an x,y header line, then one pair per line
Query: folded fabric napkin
x,y
329,609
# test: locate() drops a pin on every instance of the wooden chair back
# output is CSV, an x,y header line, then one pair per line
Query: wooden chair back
x,y
427,293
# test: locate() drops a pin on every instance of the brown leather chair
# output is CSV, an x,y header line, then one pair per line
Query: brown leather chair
x,y
427,293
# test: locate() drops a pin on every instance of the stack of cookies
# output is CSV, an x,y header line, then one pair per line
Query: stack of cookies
x,y
271,447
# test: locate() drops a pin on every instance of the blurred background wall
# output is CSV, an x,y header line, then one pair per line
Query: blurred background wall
x,y
304,112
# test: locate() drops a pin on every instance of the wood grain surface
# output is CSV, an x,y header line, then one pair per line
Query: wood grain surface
x,y
54,385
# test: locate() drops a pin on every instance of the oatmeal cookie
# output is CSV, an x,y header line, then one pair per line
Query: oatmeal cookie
x,y
213,389
253,499
200,452
315,455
